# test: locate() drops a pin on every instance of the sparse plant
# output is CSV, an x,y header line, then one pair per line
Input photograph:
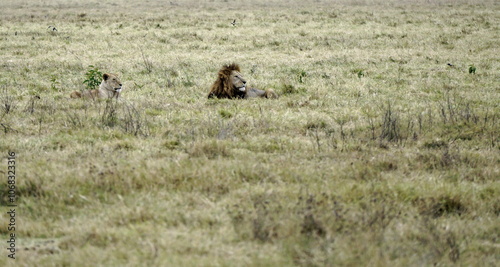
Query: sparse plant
x,y
93,77
75,119
391,126
317,131
54,83
7,128
302,75
359,72
148,64
138,86
134,122
30,106
472,69
7,101
109,115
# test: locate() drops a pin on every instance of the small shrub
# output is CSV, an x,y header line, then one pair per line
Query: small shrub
x,y
472,69
93,77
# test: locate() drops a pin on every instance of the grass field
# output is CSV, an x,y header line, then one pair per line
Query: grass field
x,y
382,150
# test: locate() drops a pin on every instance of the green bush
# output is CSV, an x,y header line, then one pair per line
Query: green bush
x,y
93,77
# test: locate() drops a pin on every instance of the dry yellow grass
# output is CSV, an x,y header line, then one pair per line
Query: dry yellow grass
x,y
376,153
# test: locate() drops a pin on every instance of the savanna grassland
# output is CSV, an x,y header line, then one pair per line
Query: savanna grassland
x,y
382,150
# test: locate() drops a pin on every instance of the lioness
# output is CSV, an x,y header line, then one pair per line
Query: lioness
x,y
231,84
110,88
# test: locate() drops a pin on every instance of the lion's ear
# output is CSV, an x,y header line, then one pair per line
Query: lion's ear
x,y
105,76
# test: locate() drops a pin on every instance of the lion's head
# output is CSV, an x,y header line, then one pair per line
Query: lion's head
x,y
229,84
111,82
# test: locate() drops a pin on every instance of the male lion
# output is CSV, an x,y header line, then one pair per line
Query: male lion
x,y
110,88
231,84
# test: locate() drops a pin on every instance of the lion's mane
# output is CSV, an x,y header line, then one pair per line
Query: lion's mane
x,y
222,87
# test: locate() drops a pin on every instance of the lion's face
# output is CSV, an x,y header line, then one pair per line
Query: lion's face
x,y
112,82
237,80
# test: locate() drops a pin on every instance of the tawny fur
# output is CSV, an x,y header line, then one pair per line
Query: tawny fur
x,y
110,87
231,84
